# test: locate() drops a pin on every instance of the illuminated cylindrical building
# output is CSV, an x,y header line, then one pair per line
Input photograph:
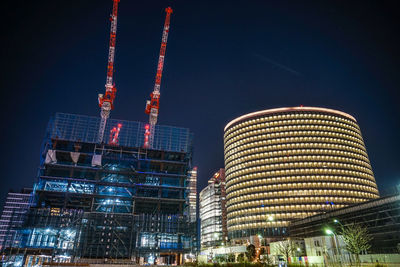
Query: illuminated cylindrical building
x,y
289,163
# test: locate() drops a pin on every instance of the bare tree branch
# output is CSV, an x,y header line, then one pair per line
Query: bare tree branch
x,y
356,239
286,248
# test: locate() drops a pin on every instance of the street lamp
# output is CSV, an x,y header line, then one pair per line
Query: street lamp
x,y
298,252
330,232
338,222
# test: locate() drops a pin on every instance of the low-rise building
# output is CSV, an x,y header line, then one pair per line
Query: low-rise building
x,y
294,249
381,217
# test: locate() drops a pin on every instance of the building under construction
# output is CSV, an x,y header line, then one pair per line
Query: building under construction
x,y
109,202
129,198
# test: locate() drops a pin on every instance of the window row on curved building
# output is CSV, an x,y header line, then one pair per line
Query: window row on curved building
x,y
290,163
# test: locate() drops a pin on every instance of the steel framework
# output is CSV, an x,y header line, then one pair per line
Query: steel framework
x,y
153,105
106,102
97,202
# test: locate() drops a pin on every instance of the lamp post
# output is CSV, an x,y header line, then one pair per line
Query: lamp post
x,y
330,232
298,252
338,222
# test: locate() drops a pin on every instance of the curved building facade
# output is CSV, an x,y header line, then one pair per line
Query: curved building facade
x,y
289,163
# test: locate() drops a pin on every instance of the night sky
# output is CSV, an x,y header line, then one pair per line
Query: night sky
x,y
224,59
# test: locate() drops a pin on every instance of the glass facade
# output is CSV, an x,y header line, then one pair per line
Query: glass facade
x,y
14,213
212,212
290,163
193,194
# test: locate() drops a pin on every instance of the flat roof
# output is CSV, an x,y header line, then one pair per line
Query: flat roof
x,y
288,109
349,209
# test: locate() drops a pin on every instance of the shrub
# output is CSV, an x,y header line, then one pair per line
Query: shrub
x,y
240,257
230,258
190,264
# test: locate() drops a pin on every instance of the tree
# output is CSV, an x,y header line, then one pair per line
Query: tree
x,y
265,258
268,260
251,252
356,239
286,248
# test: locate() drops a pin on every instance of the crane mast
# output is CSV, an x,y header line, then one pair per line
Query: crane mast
x,y
106,101
114,135
153,105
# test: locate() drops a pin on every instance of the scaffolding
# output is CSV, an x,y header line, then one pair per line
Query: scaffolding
x,y
72,127
106,202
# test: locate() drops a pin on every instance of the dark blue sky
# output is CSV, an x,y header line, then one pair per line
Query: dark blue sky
x,y
224,59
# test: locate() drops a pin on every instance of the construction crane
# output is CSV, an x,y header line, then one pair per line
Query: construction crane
x,y
153,105
106,101
114,135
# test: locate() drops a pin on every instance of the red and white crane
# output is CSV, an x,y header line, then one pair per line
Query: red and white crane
x,y
114,135
106,101
153,105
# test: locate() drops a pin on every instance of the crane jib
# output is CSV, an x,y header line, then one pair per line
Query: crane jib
x,y
152,106
106,101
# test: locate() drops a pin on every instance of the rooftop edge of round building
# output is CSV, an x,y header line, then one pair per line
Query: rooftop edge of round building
x,y
287,109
